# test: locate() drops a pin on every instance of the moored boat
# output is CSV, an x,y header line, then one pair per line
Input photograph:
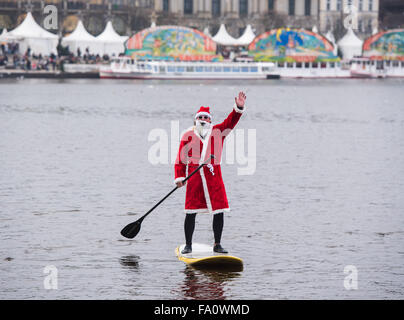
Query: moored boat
x,y
128,68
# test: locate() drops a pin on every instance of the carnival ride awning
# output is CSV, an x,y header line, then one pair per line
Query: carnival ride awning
x,y
172,43
385,45
223,38
292,45
112,43
80,38
350,45
30,34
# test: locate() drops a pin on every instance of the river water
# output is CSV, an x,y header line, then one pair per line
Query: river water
x,y
325,193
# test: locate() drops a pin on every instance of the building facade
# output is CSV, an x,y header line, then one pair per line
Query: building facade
x,y
338,15
129,16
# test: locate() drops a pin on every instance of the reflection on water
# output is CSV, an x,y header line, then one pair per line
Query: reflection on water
x,y
130,262
202,284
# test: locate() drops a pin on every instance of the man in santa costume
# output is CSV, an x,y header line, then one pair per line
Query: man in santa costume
x,y
205,191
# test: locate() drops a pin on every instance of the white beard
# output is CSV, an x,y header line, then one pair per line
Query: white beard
x,y
202,127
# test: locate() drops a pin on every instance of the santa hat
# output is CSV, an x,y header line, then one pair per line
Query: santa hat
x,y
203,111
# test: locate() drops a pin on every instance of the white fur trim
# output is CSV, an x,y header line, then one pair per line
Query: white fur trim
x,y
189,211
205,190
203,114
179,179
221,210
237,109
205,143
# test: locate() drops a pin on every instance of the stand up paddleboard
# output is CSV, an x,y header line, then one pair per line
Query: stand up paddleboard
x,y
202,256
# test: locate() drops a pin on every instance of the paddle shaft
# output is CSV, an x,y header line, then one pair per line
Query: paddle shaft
x,y
158,203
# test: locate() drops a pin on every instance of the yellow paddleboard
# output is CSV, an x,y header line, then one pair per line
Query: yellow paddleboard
x,y
202,256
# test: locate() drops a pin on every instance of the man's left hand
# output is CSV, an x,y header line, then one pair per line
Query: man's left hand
x,y
240,100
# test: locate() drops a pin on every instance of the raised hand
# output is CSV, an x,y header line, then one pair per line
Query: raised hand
x,y
240,100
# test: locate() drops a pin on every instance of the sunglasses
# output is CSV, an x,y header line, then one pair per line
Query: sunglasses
x,y
203,118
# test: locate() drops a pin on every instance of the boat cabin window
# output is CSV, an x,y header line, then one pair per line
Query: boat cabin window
x,y
266,69
388,62
190,69
180,69
281,64
315,65
208,69
332,64
289,64
226,69
307,65
402,64
199,69
298,64
254,69
171,69
218,69
244,69
162,69
396,64
236,69
323,65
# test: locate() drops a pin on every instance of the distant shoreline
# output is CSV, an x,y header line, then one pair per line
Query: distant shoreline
x,y
12,73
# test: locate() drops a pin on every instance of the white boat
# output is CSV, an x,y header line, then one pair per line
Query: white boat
x,y
371,68
366,68
312,70
127,68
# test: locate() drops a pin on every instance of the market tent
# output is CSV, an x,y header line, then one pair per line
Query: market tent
x,y
223,38
31,34
350,45
330,37
247,37
112,43
5,37
206,31
80,38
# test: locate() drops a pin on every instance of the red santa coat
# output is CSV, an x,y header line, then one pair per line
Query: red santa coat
x,y
205,189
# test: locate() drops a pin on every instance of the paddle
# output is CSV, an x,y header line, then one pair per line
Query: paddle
x,y
132,229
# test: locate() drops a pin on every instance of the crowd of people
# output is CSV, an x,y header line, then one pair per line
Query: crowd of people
x,y
12,58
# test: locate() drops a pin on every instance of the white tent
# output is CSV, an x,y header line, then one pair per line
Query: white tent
x,y
223,38
80,38
4,37
330,37
206,31
350,45
247,37
111,41
31,34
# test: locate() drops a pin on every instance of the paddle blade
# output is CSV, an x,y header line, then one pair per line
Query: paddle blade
x,y
132,229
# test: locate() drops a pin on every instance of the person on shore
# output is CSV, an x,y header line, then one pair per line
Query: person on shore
x,y
205,191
